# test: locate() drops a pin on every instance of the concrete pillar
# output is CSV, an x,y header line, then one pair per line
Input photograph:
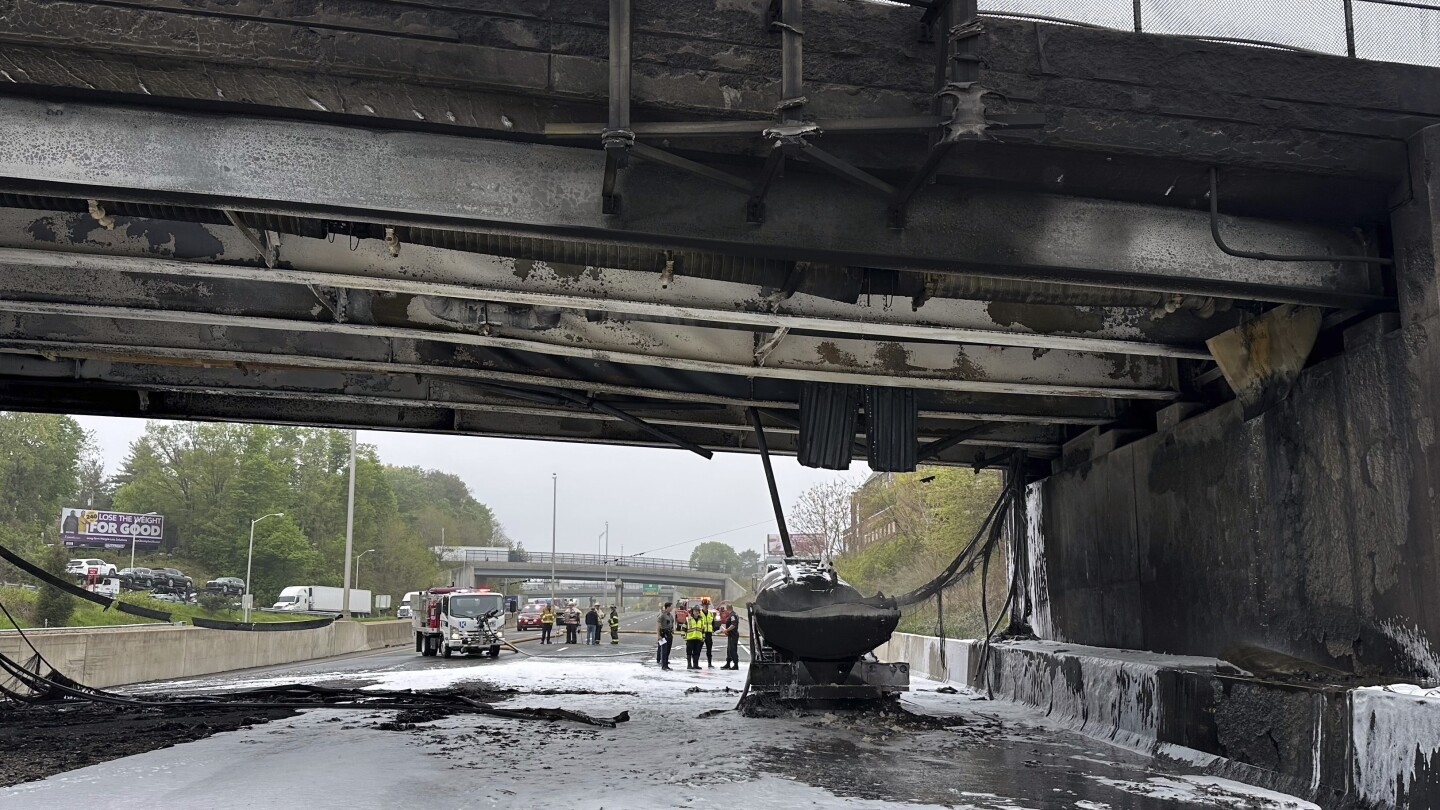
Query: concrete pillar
x,y
1406,573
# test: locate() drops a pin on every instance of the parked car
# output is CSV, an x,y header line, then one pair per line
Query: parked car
x,y
139,579
81,568
166,597
227,585
528,619
173,579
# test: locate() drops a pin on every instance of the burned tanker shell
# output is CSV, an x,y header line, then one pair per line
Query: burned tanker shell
x,y
805,612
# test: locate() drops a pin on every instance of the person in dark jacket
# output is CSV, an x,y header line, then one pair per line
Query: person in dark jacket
x,y
731,628
664,635
592,626
614,621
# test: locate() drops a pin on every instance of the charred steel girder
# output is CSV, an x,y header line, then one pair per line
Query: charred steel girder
x,y
958,100
465,184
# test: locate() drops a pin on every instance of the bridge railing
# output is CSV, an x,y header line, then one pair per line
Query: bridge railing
x,y
597,560
1383,30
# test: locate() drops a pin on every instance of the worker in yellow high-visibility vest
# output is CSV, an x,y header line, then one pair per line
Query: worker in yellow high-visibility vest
x,y
695,637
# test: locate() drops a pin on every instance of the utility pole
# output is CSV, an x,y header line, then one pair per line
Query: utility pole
x,y
554,513
349,532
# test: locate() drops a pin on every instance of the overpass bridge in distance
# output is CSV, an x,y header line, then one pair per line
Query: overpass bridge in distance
x,y
595,568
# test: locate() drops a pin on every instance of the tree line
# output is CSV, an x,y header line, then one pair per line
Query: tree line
x,y
895,531
211,480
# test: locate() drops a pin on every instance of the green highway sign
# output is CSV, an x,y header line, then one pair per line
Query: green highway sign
x,y
648,589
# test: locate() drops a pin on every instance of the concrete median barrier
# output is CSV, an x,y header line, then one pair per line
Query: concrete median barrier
x,y
115,656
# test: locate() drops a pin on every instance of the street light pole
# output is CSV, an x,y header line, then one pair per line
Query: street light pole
x,y
554,514
605,587
357,566
349,532
249,559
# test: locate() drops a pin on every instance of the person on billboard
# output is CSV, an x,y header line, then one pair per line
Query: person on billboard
x,y
71,523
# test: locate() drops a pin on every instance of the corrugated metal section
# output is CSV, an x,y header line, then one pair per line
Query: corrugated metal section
x,y
827,425
891,418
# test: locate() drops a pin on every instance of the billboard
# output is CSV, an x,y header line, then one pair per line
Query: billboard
x,y
804,545
90,528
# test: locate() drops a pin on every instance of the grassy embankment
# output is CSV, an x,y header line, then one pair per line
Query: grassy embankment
x,y
934,519
21,604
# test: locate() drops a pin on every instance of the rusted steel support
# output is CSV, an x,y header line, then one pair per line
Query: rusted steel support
x,y
660,156
770,480
755,206
844,170
617,137
957,67
610,410
792,75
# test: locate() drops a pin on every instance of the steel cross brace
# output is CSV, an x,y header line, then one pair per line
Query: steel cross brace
x,y
962,115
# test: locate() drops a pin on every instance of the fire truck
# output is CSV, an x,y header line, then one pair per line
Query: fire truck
x,y
463,620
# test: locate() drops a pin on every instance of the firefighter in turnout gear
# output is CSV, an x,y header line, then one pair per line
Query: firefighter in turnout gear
x,y
614,623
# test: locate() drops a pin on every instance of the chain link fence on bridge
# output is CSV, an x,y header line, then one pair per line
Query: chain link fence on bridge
x,y
1383,30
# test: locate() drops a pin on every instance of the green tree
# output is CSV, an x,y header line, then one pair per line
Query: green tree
x,y
39,464
52,605
283,556
716,556
749,562
210,481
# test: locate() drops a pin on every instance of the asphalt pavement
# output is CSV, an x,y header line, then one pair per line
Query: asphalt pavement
x,y
679,744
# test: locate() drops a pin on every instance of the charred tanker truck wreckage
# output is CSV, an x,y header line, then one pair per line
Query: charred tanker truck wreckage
x,y
813,634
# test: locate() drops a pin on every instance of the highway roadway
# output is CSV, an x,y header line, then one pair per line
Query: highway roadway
x,y
681,747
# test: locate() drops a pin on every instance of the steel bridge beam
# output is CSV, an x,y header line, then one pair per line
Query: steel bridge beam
x,y
988,369
422,417
252,164
435,273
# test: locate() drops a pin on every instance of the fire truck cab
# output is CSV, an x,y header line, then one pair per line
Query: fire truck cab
x,y
463,620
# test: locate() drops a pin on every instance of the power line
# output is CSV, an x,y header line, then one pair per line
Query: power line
x,y
706,537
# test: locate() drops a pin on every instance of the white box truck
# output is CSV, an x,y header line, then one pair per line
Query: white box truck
x,y
321,599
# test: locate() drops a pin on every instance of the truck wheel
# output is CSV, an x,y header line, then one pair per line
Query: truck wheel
x,y
495,651
445,651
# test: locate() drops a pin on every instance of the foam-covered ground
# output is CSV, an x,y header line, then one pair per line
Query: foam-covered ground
x,y
1000,757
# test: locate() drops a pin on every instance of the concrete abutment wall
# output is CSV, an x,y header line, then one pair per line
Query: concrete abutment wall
x,y
1313,529
105,657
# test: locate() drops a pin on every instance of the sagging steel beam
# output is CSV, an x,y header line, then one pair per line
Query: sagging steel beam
x,y
409,417
984,369
436,392
289,167
440,273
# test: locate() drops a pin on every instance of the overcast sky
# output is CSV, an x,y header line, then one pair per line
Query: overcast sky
x,y
652,498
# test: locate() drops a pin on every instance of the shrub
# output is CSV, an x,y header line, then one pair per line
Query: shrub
x,y
53,606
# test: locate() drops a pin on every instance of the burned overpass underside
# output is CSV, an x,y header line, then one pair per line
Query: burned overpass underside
x,y
901,236
1186,289
241,237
